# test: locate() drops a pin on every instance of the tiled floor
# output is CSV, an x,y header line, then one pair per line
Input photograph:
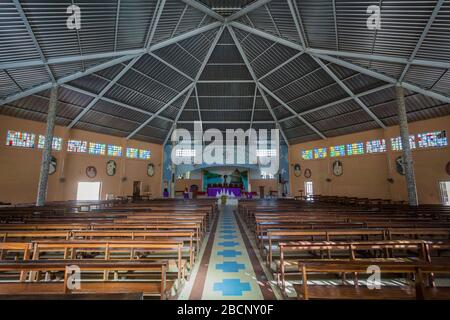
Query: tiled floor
x,y
230,273
225,268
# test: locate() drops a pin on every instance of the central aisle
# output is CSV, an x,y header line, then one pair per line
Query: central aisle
x,y
229,267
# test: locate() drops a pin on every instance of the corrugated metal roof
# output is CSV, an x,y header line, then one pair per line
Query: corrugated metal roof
x,y
296,79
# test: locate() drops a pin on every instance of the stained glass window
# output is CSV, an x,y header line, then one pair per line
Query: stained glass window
x,y
114,151
355,148
307,154
20,139
132,153
76,146
396,143
376,146
432,139
337,151
320,153
56,143
97,148
144,154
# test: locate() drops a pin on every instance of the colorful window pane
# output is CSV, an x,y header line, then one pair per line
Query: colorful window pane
x,y
376,146
132,153
337,151
432,139
320,153
396,143
144,154
20,139
355,148
56,143
307,154
77,146
114,151
97,148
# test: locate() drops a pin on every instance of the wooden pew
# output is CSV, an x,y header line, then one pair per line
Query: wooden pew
x,y
292,253
36,284
113,250
416,289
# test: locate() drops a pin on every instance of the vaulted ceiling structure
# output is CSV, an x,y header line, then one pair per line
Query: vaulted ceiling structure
x,y
140,68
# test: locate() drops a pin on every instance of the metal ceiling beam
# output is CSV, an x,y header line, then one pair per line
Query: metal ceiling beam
x,y
107,64
104,91
33,38
266,35
203,8
199,73
168,104
329,105
281,65
230,121
171,66
422,38
116,29
111,54
188,88
121,104
252,73
335,24
381,58
298,23
69,59
247,9
65,79
355,55
374,74
225,81
253,108
185,36
349,92
154,23
186,99
309,125
385,78
198,106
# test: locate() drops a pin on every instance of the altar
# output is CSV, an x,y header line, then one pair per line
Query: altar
x,y
213,191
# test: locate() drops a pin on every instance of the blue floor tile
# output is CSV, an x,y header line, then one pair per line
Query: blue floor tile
x,y
230,266
228,237
229,253
227,231
232,287
228,244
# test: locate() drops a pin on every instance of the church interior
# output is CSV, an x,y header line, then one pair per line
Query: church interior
x,y
225,150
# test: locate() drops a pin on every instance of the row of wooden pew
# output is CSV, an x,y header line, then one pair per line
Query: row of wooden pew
x,y
312,247
139,249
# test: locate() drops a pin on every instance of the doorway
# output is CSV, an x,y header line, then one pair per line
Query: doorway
x,y
88,191
137,188
444,187
309,191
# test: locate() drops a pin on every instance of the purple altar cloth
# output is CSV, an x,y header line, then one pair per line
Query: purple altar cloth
x,y
212,192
